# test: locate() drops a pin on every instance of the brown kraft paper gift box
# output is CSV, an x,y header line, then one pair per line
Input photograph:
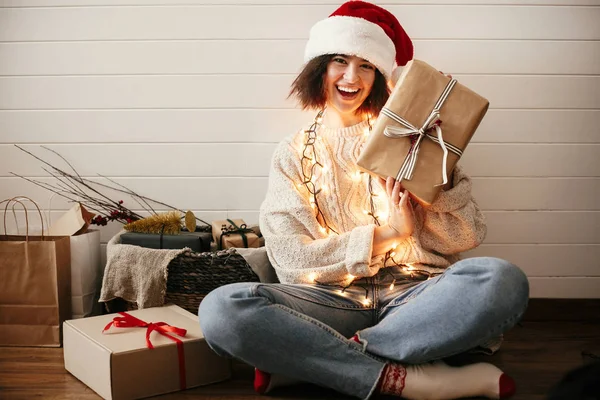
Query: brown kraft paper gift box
x,y
234,239
414,97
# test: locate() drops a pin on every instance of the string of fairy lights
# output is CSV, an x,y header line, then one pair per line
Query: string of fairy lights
x,y
311,167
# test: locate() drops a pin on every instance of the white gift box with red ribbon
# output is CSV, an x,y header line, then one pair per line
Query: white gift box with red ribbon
x,y
141,353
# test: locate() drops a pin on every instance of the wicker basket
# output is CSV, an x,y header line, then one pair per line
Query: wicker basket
x,y
191,276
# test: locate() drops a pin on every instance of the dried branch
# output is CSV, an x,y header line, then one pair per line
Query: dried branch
x,y
144,198
132,193
74,185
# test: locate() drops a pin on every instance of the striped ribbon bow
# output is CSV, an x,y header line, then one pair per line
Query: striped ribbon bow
x,y
409,130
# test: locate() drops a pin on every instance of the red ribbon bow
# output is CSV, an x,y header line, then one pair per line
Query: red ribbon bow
x,y
129,321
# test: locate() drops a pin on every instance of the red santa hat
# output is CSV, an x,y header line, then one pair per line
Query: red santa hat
x,y
364,30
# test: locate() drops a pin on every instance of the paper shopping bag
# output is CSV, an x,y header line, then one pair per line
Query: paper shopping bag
x,y
86,274
86,269
35,286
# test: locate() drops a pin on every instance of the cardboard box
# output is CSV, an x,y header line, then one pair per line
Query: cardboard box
x,y
413,99
234,233
117,364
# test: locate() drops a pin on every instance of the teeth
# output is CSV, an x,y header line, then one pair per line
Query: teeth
x,y
347,90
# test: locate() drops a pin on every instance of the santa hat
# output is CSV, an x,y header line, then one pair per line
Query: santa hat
x,y
364,30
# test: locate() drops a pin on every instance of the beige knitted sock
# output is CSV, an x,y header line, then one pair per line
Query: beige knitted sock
x,y
439,381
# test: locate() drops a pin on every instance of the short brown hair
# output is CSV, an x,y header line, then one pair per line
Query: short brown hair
x,y
309,89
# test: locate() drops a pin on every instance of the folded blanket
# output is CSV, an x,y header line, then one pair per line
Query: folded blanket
x,y
136,274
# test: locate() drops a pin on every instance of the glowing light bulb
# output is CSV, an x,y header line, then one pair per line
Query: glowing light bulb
x,y
350,276
394,245
409,267
312,276
325,168
382,215
392,254
356,176
324,189
322,229
366,301
392,285
366,212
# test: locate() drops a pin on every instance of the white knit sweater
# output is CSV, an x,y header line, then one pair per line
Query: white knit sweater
x,y
299,250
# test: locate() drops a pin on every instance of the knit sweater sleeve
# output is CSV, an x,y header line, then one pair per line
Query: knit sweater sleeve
x,y
296,246
454,223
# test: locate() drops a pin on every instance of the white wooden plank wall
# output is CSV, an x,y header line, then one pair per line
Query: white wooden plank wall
x,y
184,101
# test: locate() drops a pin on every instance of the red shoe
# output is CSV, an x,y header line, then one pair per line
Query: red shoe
x,y
261,381
508,387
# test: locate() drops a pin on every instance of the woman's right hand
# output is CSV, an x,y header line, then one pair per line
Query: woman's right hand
x,y
400,217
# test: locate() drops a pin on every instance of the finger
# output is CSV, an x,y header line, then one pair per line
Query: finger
x,y
381,181
396,192
389,185
404,200
448,75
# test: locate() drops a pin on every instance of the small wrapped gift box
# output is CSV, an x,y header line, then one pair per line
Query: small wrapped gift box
x,y
422,130
196,241
234,233
141,353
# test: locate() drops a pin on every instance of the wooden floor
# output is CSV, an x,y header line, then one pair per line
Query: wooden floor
x,y
549,342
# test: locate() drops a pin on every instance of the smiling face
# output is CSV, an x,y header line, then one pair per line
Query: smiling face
x,y
348,83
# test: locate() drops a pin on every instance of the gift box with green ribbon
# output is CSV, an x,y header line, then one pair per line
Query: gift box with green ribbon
x,y
234,233
196,241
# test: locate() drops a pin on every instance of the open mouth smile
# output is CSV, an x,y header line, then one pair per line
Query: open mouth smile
x,y
347,93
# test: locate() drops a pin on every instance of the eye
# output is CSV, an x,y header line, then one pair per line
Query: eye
x,y
339,60
367,66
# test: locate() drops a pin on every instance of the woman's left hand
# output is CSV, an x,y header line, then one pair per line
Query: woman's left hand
x,y
400,217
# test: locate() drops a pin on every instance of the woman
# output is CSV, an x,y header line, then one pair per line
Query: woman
x,y
373,294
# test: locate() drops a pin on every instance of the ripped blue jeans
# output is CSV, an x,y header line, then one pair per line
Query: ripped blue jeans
x,y
302,331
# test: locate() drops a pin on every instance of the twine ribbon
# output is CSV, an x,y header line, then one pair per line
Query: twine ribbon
x,y
418,134
129,321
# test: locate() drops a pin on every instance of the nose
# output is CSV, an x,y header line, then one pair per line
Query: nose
x,y
351,73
